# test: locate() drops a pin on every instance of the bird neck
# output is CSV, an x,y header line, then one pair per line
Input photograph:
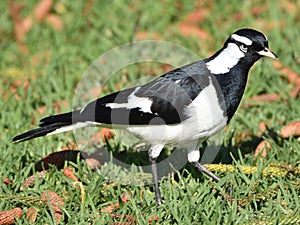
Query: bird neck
x,y
231,80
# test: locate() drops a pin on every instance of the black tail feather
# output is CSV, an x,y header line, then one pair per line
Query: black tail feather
x,y
38,132
70,117
48,125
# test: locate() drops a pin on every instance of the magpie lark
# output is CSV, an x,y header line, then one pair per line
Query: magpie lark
x,y
182,107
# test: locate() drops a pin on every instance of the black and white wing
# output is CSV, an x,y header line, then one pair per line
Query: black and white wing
x,y
162,101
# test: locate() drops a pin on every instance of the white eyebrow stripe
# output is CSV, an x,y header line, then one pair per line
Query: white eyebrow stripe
x,y
242,39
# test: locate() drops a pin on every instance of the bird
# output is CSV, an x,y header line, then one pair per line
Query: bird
x,y
182,107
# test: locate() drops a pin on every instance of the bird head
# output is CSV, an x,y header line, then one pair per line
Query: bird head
x,y
240,51
249,43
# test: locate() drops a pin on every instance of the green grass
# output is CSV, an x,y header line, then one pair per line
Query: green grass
x,y
189,198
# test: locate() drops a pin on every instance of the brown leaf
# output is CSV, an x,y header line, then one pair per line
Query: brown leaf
x,y
256,11
263,126
265,98
130,219
196,16
31,214
240,137
88,7
41,110
295,92
93,163
21,27
70,146
7,181
192,30
23,49
142,35
8,216
153,218
42,57
166,67
31,180
56,203
106,134
42,9
292,76
261,149
57,105
55,21
238,16
291,129
125,197
110,208
68,172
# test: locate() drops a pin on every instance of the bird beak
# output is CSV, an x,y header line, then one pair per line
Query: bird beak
x,y
268,53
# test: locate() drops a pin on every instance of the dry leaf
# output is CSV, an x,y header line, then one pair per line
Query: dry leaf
x,y
42,57
58,105
8,216
131,220
240,137
92,163
21,27
263,126
153,218
31,180
238,16
291,129
192,30
106,134
295,92
142,35
42,9
7,181
166,67
70,146
195,17
265,98
31,214
292,76
110,208
261,149
68,172
55,22
125,197
56,203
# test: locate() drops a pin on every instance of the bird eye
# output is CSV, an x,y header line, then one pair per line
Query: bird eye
x,y
243,48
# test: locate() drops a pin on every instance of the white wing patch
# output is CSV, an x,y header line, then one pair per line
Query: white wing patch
x,y
134,102
227,59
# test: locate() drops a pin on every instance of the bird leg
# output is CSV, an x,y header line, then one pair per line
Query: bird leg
x,y
155,180
203,169
154,152
193,158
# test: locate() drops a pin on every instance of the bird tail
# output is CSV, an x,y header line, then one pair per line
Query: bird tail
x,y
52,125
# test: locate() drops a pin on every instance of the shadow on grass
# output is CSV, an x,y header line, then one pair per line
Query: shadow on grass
x,y
226,154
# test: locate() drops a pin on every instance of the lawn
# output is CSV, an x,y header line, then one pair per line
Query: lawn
x,y
46,52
